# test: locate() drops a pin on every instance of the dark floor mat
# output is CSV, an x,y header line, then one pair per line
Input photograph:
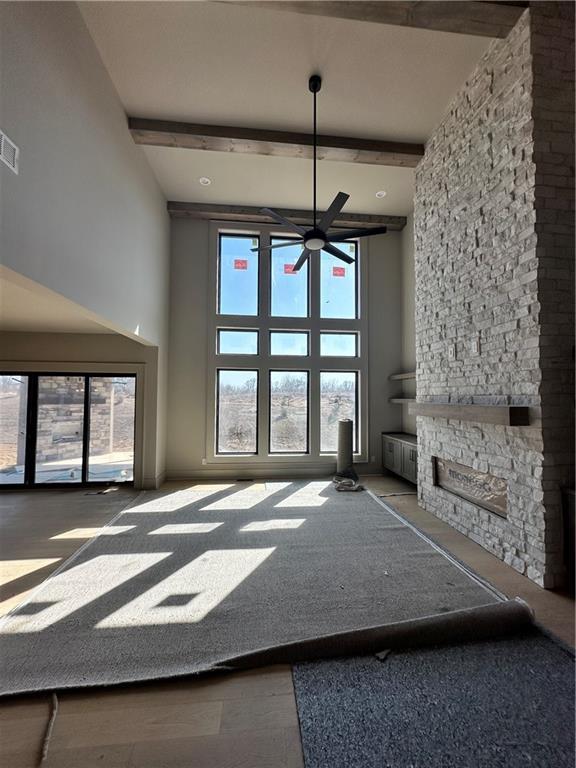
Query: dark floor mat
x,y
506,703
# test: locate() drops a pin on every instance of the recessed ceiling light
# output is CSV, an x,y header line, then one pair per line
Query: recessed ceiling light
x,y
381,193
205,181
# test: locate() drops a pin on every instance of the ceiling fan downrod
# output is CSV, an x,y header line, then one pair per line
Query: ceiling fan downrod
x,y
318,238
314,85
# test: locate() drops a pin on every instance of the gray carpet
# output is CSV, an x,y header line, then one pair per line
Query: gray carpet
x,y
182,582
500,704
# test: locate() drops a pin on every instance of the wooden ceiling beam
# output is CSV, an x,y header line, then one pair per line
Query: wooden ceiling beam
x,y
254,215
254,141
468,17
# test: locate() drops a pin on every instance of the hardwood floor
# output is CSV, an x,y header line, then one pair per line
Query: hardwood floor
x,y
239,720
244,719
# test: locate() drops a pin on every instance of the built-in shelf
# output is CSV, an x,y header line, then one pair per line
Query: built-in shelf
x,y
507,415
402,376
402,400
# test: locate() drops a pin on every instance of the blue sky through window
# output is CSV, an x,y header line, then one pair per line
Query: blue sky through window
x,y
288,343
238,276
338,345
338,284
289,290
237,342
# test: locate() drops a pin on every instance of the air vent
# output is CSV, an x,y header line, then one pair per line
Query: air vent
x,y
9,152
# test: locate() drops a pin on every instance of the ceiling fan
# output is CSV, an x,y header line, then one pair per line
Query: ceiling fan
x,y
318,238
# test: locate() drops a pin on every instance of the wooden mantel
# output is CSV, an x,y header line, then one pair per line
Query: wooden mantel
x,y
506,415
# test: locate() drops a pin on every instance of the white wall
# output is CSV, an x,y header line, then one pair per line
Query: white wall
x,y
85,217
408,319
188,340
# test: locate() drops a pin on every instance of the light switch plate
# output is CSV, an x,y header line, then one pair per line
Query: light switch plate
x,y
452,352
475,346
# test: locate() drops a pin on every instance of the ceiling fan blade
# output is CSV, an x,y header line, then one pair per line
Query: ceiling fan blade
x,y
281,220
335,207
277,245
338,237
300,263
338,253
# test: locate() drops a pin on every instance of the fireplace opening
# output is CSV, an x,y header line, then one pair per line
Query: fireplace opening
x,y
480,488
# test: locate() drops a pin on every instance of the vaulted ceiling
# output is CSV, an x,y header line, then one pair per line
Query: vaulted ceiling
x,y
241,65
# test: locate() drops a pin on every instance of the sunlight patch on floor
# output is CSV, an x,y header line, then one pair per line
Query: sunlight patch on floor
x,y
177,528
75,588
191,593
247,497
10,570
308,496
179,499
88,533
273,525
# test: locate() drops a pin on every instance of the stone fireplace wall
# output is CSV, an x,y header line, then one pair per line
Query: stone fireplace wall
x,y
493,267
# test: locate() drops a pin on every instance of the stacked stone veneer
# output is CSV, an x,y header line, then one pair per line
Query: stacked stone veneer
x,y
494,262
61,417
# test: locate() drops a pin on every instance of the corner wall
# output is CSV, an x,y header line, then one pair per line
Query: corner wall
x,y
492,265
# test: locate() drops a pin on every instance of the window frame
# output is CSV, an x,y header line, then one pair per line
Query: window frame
x,y
219,275
226,368
356,434
288,330
264,362
248,355
306,452
357,305
357,351
285,239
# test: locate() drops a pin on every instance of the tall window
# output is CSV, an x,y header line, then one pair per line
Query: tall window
x,y
286,360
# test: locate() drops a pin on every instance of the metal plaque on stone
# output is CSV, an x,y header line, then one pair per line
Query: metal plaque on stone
x,y
480,488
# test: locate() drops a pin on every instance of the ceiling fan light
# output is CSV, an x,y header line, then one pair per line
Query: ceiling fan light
x,y
315,243
315,239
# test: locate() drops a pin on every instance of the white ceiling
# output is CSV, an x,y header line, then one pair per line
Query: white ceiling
x,y
236,65
41,311
257,180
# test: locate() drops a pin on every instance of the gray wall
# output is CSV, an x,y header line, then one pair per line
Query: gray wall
x,y
487,270
85,216
188,340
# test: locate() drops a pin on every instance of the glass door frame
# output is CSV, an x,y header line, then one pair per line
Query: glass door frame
x,y
86,371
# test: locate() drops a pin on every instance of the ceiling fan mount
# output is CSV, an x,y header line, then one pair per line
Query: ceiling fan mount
x,y
318,238
315,83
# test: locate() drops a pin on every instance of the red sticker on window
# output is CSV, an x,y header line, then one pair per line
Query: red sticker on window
x,y
338,272
289,269
240,263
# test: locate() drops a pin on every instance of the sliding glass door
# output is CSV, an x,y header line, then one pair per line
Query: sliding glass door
x,y
111,431
66,429
13,428
60,429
